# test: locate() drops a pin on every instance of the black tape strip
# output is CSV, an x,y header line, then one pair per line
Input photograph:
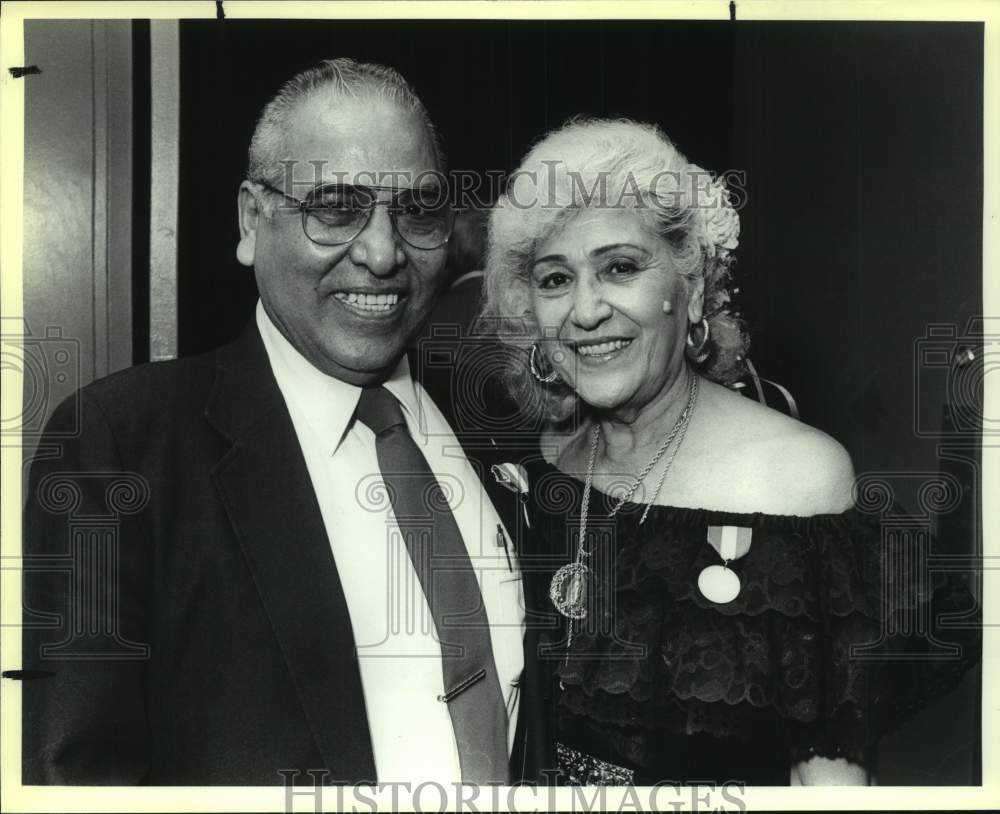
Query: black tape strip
x,y
26,675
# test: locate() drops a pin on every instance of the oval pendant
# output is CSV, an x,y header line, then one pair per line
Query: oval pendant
x,y
568,590
718,584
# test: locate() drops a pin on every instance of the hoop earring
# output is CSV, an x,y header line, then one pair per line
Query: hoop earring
x,y
534,370
699,352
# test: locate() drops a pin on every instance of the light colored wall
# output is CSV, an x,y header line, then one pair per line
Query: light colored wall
x,y
164,45
77,206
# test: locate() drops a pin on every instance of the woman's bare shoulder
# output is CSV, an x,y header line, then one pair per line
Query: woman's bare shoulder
x,y
816,470
803,470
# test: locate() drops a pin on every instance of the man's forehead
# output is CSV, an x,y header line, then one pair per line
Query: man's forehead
x,y
330,136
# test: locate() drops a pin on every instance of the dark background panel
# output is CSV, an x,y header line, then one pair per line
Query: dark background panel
x,y
141,174
863,227
862,148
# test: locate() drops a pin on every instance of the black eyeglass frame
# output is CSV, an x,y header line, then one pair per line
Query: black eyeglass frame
x,y
304,205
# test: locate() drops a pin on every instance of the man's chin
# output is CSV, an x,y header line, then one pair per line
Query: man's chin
x,y
361,369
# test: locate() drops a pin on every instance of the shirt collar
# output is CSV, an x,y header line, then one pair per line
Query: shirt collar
x,y
325,402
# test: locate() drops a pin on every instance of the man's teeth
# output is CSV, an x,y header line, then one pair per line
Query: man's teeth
x,y
603,348
368,302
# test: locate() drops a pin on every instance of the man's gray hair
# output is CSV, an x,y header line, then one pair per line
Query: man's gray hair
x,y
342,76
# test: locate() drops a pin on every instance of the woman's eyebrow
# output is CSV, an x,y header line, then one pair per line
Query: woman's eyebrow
x,y
614,247
561,258
549,258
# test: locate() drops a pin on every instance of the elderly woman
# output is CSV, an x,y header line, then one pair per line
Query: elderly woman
x,y
701,550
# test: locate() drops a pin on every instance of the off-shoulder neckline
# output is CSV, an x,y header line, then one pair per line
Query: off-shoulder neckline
x,y
700,516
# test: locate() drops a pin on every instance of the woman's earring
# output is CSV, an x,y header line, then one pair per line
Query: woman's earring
x,y
698,350
668,307
534,370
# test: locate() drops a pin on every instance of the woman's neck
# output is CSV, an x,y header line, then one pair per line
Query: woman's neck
x,y
635,431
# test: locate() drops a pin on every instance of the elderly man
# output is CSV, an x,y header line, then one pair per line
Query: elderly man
x,y
305,571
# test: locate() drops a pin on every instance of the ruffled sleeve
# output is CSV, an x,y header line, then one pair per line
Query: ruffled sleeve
x,y
845,626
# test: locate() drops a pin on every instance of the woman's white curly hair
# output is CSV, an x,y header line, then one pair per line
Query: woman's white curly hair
x,y
616,163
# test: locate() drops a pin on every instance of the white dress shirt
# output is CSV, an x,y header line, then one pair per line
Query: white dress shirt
x,y
397,649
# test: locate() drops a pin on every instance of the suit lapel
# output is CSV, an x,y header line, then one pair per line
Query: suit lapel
x,y
269,498
484,457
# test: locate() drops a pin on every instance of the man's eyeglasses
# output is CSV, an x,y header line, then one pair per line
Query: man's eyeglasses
x,y
334,214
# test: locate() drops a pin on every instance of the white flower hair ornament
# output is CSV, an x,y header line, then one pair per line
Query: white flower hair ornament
x,y
720,223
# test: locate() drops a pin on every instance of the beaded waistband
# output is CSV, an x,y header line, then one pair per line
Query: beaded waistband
x,y
581,769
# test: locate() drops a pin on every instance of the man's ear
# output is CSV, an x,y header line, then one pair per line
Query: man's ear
x,y
249,211
696,300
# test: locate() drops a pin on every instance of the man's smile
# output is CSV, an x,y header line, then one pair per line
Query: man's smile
x,y
370,303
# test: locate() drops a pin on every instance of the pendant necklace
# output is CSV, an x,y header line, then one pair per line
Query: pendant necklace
x,y
570,585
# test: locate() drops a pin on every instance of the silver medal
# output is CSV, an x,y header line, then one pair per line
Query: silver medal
x,y
718,584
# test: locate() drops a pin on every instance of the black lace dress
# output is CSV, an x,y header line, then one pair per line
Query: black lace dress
x,y
661,684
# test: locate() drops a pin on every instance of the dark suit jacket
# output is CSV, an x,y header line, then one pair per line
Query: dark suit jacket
x,y
183,612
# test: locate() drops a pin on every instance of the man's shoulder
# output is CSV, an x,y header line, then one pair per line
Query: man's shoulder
x,y
139,404
158,385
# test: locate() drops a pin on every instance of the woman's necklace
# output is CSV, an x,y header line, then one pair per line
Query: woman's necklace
x,y
568,589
